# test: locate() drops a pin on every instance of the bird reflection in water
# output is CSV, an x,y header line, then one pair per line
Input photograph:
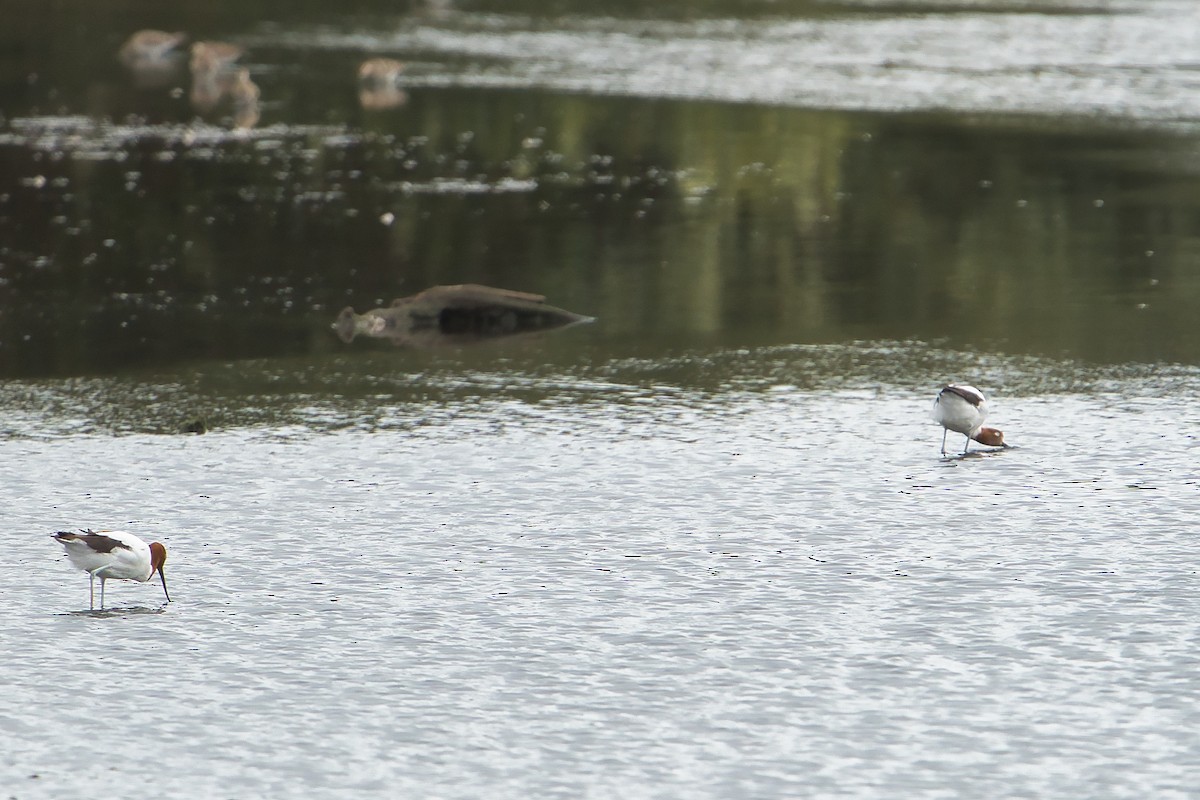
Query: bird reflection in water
x,y
457,315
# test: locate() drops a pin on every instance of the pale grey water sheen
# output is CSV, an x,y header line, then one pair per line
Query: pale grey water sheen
x,y
1123,60
608,581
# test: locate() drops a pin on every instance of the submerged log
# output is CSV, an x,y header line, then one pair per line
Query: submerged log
x,y
456,315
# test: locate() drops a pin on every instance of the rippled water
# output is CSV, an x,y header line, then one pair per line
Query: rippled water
x,y
704,547
1111,58
620,580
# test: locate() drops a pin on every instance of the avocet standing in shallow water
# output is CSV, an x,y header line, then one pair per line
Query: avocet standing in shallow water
x,y
114,554
962,409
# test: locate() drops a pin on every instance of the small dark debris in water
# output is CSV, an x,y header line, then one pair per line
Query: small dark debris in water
x,y
456,315
196,426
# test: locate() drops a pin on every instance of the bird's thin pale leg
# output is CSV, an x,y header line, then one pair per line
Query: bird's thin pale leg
x,y
99,573
92,590
966,446
944,432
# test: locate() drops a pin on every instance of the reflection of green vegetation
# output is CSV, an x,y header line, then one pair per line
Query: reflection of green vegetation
x,y
672,207
1044,243
671,222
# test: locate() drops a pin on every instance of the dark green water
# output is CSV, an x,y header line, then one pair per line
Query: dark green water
x,y
134,234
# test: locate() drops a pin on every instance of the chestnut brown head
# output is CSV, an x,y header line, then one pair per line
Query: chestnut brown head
x,y
992,437
158,557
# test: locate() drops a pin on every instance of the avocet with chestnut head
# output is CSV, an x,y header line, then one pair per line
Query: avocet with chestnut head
x,y
114,554
962,409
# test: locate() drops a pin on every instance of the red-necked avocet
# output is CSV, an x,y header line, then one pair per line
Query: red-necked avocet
x,y
114,554
962,409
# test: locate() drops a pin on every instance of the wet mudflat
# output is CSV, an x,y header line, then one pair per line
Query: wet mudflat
x,y
704,546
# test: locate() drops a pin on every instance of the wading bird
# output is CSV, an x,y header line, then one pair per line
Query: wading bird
x,y
962,409
150,47
379,84
113,554
153,58
214,73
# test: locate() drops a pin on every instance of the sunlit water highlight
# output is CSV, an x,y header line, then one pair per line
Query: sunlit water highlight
x,y
1133,61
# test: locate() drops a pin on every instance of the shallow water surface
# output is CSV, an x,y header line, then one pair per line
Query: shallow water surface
x,y
704,546
616,582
